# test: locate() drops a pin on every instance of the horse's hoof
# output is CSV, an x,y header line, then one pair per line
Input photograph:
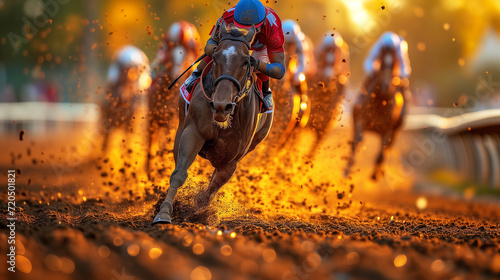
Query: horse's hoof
x,y
201,216
163,216
201,200
346,173
161,221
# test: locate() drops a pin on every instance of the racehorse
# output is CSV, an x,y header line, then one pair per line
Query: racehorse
x,y
301,68
181,44
128,80
332,56
222,122
382,106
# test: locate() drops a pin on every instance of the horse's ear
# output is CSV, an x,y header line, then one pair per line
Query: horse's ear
x,y
223,29
251,34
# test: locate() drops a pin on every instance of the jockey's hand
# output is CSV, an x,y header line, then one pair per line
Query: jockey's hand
x,y
296,80
210,50
255,63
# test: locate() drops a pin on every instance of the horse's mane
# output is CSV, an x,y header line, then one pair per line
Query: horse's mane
x,y
235,31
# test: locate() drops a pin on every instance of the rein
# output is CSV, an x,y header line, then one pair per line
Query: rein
x,y
243,87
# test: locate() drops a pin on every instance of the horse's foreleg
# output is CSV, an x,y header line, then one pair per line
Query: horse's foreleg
x,y
219,178
314,148
358,137
386,143
105,142
190,145
180,126
149,143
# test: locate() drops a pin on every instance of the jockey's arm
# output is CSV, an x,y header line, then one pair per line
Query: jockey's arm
x,y
301,59
276,66
213,42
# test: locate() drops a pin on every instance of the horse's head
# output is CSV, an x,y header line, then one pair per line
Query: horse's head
x,y
231,71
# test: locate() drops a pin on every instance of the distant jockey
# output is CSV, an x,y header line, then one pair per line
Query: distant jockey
x,y
332,56
268,55
393,42
299,48
181,44
128,80
129,73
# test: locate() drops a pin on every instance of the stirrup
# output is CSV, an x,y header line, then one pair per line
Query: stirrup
x,y
267,104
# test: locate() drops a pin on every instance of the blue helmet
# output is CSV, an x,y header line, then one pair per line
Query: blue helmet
x,y
248,13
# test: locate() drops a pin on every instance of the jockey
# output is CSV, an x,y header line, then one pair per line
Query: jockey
x,y
180,43
333,58
130,72
298,45
399,45
268,55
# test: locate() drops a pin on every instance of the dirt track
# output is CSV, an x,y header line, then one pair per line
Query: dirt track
x,y
87,217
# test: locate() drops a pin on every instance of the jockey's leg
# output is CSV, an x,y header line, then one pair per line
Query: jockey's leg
x,y
189,82
190,145
219,178
268,105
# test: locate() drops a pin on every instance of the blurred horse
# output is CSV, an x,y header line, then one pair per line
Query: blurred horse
x,y
222,122
381,106
128,79
301,67
180,47
332,56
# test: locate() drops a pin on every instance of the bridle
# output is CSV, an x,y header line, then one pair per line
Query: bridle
x,y
243,87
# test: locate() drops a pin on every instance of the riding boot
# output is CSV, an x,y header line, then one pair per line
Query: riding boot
x,y
268,104
190,81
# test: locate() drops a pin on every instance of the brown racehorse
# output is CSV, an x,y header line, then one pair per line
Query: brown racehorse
x,y
333,62
380,107
126,90
181,45
161,114
222,126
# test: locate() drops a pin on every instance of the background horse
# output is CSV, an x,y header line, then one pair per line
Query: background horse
x,y
332,56
382,104
128,80
293,98
222,126
181,46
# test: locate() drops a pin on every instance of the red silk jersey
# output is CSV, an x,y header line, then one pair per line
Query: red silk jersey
x,y
271,35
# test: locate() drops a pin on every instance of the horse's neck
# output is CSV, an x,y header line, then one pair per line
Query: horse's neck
x,y
249,100
381,84
208,80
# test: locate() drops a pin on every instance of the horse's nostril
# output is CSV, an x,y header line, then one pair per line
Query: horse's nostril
x,y
229,107
212,105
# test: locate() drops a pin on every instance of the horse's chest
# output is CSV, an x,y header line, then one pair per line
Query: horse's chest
x,y
223,150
